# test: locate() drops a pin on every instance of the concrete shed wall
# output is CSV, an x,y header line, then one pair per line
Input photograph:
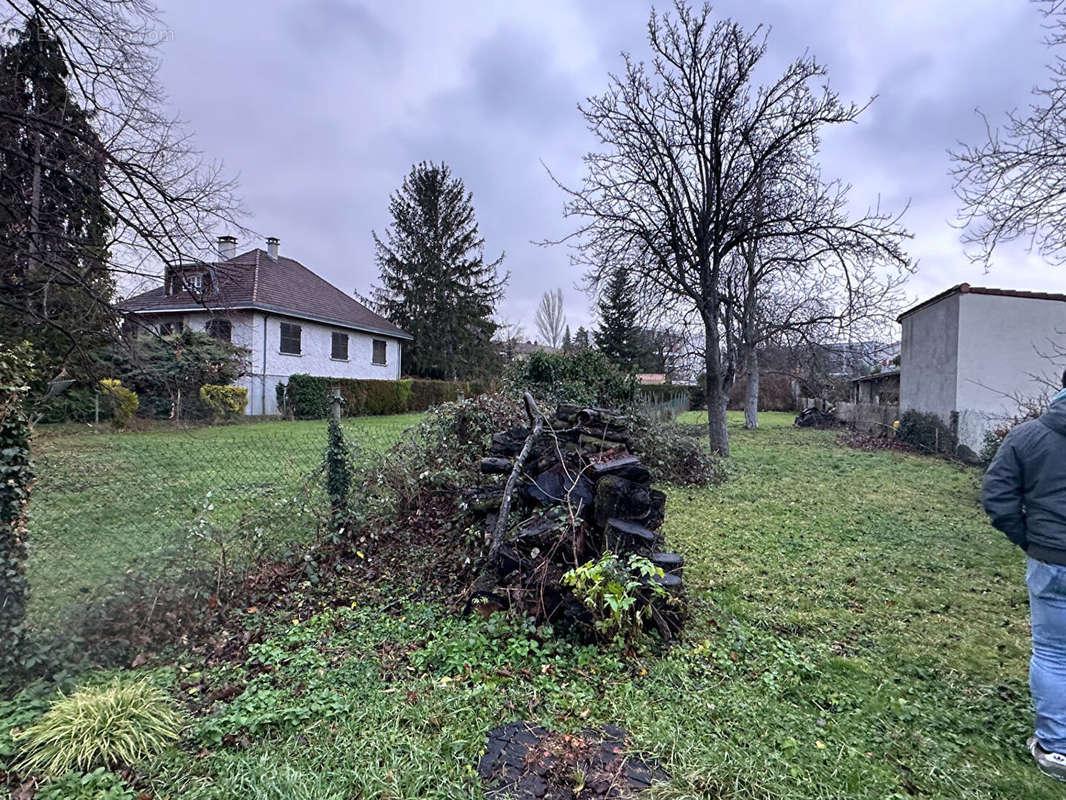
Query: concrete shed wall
x,y
929,359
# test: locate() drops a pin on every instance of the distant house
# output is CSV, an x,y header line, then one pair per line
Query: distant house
x,y
291,320
512,349
969,352
855,359
651,378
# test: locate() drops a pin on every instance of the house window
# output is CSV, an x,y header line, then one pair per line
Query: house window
x,y
220,329
290,338
168,328
340,346
379,351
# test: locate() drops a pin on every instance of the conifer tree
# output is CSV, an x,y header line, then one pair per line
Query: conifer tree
x,y
568,342
617,334
581,339
54,222
435,283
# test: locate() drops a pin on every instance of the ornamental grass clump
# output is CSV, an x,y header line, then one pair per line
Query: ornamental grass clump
x,y
110,726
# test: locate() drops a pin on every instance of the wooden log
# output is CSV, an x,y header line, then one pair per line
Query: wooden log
x,y
618,497
669,563
626,466
495,466
624,536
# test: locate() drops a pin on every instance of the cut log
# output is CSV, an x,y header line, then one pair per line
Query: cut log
x,y
558,485
672,583
618,497
624,534
658,509
670,563
625,466
495,466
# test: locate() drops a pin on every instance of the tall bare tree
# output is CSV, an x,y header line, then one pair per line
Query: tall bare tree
x,y
550,319
1013,184
162,198
688,140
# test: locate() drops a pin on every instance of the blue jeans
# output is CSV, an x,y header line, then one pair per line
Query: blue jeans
x,y
1047,668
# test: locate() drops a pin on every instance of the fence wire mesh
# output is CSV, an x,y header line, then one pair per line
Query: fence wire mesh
x,y
115,510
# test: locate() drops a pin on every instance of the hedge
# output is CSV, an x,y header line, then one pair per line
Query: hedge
x,y
308,396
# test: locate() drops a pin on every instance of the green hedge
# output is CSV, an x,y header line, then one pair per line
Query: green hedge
x,y
308,396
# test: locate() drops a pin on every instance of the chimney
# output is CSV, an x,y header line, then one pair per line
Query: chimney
x,y
272,247
227,247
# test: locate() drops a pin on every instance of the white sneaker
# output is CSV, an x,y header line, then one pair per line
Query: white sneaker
x,y
1051,764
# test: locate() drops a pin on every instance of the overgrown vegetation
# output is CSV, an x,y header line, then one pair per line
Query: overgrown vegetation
x,y
225,402
585,377
617,593
676,454
926,432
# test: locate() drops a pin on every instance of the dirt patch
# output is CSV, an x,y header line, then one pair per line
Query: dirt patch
x,y
527,762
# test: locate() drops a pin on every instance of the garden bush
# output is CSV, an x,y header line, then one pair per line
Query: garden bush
x,y
308,396
586,378
443,451
674,455
926,432
117,725
123,402
76,404
616,594
224,401
428,393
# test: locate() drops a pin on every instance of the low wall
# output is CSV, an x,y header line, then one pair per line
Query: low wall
x,y
869,417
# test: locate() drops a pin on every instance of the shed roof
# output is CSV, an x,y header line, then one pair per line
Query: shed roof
x,y
965,288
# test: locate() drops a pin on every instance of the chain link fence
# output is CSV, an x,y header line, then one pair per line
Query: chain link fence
x,y
132,513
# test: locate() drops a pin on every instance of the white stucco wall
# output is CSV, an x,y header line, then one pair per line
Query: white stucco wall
x,y
1003,347
970,353
929,359
316,344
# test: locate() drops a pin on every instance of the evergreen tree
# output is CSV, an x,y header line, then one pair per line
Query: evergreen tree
x,y
581,339
435,283
617,335
568,343
55,288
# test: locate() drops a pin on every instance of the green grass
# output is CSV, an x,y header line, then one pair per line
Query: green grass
x,y
857,630
104,499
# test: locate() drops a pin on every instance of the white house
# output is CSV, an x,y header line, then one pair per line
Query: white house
x,y
970,352
289,319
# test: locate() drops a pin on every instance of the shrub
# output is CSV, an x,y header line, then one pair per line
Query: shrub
x,y
445,448
586,377
307,397
617,594
124,402
224,401
675,456
381,397
990,445
926,432
76,404
109,726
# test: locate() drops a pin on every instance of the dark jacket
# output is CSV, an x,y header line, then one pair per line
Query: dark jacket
x,y
1025,488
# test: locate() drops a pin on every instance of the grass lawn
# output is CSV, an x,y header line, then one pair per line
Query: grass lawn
x,y
104,499
857,630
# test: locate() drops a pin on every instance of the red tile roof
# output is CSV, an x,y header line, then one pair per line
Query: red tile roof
x,y
254,280
965,288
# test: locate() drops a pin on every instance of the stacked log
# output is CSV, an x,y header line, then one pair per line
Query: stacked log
x,y
577,492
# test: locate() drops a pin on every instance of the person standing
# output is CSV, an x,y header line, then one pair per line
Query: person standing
x,y
1024,495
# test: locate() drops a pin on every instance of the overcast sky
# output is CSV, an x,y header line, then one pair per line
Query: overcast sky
x,y
322,106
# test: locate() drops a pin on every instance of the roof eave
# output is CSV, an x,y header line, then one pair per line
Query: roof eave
x,y
272,310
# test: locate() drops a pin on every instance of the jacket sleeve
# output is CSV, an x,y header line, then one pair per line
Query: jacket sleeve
x,y
1002,493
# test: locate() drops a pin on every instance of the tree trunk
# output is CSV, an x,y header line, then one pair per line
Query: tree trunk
x,y
717,392
751,399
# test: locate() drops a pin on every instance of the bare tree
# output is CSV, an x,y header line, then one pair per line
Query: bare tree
x,y
689,140
1013,184
163,198
550,319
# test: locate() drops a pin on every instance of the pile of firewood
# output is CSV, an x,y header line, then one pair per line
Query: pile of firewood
x,y
568,491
